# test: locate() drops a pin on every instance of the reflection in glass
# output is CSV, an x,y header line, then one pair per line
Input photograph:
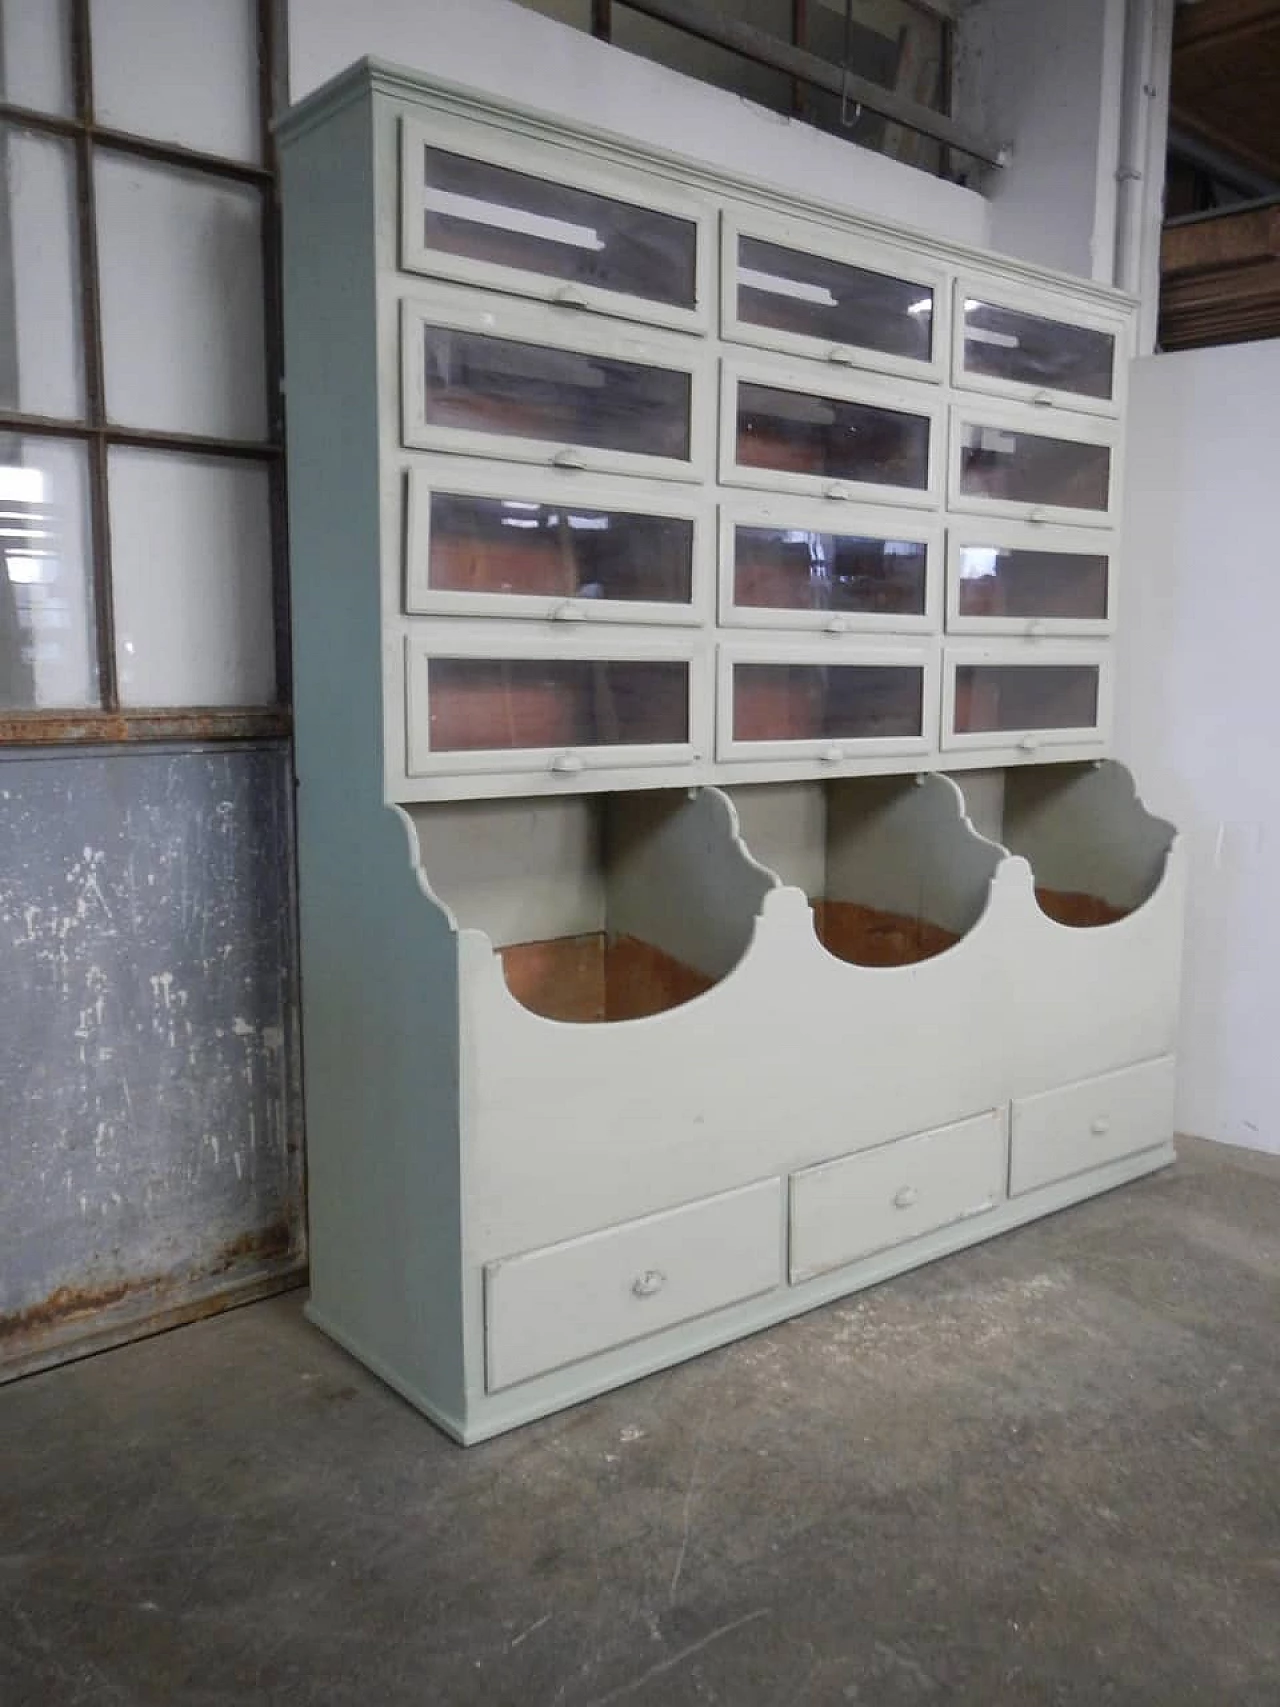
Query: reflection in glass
x,y
479,704
499,385
1031,468
794,569
816,702
1005,343
1060,585
41,372
514,545
511,219
794,292
827,436
48,655
1025,696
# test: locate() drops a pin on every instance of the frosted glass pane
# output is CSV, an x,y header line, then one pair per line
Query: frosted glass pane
x,y
48,646
35,56
180,260
185,72
191,570
40,366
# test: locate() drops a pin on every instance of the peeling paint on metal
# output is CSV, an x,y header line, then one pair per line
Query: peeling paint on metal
x,y
150,1120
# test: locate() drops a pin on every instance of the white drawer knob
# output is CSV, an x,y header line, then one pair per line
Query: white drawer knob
x,y
905,1196
843,354
1100,1127
1042,397
1030,743
568,297
1035,628
837,625
1036,514
568,458
836,490
568,764
567,612
646,1284
831,755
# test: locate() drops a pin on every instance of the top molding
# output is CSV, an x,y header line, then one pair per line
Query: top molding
x,y
370,76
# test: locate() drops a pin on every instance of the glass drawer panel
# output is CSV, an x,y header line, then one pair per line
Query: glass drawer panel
x,y
1013,582
827,702
503,385
833,437
513,546
508,704
1027,349
788,290
493,214
777,568
1013,697
1011,466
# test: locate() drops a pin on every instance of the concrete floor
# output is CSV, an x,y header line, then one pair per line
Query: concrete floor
x,y
1046,1472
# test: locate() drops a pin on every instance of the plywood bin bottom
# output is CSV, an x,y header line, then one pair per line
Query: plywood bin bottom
x,y
595,978
1075,908
869,936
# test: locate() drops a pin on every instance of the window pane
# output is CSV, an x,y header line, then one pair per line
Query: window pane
x,y
191,571
1031,468
184,73
811,702
500,385
180,257
705,60
48,649
820,298
511,219
1005,343
898,45
40,365
803,434
995,581
478,704
992,697
511,545
793,569
35,58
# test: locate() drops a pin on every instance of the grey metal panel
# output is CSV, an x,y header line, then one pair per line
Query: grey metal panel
x,y
150,1116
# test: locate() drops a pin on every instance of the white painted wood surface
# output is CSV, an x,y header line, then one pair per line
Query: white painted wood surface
x,y
850,1208
558,1305
1077,1127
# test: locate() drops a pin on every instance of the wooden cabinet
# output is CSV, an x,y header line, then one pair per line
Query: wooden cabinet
x,y
660,544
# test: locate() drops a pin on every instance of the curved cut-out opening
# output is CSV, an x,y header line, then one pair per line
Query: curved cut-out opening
x,y
1095,851
894,871
603,907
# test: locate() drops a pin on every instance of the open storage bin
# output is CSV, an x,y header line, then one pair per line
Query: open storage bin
x,y
600,907
1095,852
894,872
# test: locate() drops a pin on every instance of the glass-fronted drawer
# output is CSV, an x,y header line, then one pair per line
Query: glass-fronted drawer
x,y
490,378
810,563
1008,460
1013,578
811,702
566,547
1015,342
1025,696
788,427
483,704
525,217
789,286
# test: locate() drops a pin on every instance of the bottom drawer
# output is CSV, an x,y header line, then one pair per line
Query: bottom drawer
x,y
570,1301
847,1209
1081,1126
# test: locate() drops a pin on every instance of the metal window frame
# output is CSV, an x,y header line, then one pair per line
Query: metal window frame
x,y
109,721
715,24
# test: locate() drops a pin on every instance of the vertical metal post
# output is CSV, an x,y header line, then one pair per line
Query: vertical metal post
x,y
94,368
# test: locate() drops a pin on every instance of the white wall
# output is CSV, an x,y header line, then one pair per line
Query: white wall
x,y
1047,80
507,50
1199,704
